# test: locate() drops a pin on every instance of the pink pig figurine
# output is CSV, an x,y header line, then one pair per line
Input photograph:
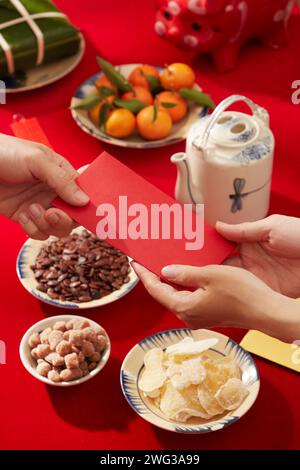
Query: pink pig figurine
x,y
221,27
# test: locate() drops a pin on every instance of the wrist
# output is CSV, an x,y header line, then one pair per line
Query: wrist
x,y
278,316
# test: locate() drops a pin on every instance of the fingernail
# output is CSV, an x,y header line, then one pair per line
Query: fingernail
x,y
81,197
23,218
170,272
53,218
135,263
137,267
35,211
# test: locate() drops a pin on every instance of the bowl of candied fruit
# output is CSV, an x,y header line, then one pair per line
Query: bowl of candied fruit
x,y
65,350
190,381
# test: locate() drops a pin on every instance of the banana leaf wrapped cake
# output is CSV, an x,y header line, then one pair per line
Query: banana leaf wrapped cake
x,y
33,32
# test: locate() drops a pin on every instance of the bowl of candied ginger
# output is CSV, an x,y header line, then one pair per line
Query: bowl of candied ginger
x,y
189,381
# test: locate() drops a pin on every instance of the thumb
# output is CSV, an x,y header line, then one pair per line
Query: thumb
x,y
247,232
188,276
60,176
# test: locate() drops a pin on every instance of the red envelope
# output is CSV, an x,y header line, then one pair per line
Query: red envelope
x,y
30,129
104,181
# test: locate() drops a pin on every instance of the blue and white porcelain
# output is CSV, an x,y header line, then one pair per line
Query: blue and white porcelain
x,y
133,366
228,163
179,132
27,257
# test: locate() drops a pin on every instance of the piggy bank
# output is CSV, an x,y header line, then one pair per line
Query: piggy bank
x,y
221,27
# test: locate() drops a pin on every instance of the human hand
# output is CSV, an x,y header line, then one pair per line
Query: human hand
x,y
31,175
270,249
223,296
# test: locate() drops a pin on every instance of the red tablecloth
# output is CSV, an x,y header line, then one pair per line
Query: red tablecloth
x,y
96,415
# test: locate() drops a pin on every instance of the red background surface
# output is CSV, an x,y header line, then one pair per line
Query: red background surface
x,y
95,415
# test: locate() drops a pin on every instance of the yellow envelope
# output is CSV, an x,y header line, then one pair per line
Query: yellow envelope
x,y
287,355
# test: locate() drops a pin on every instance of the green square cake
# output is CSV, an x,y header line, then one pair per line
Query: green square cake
x,y
33,32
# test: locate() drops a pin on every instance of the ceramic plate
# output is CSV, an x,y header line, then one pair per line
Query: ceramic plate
x,y
27,257
43,75
133,366
178,134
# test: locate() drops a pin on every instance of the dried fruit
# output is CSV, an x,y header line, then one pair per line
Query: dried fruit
x,y
189,380
181,405
232,394
82,267
208,401
187,373
154,375
68,360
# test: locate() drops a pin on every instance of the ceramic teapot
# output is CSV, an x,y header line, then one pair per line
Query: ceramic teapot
x,y
228,164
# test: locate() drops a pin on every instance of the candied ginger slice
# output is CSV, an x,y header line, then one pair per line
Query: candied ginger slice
x,y
172,402
191,347
154,375
187,413
218,372
232,394
181,405
153,358
187,373
209,402
214,377
231,367
194,406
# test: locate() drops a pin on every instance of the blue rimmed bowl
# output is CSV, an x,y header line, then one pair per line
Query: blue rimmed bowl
x,y
27,256
133,366
179,131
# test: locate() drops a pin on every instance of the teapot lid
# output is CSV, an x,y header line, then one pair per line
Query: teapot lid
x,y
234,129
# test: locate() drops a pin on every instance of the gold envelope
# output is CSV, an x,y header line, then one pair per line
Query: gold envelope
x,y
287,355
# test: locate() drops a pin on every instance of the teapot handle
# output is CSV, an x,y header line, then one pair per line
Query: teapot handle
x,y
256,111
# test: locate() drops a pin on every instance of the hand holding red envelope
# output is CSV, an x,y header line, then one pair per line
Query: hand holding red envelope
x,y
108,182
104,181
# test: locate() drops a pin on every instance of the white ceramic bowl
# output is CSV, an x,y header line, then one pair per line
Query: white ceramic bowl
x,y
27,256
30,363
133,366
